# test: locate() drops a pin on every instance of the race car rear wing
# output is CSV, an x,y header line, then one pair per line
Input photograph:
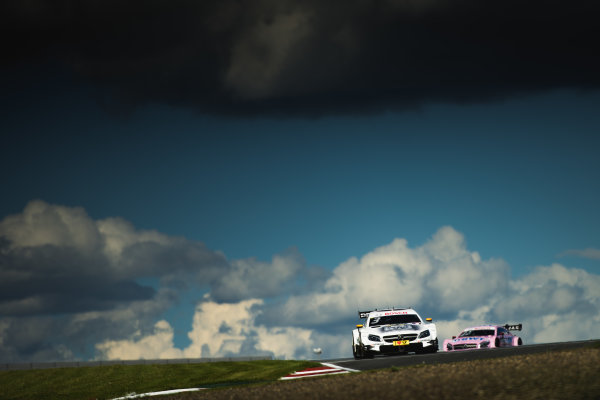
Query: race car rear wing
x,y
516,327
365,314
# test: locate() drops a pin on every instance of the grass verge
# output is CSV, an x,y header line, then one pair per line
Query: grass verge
x,y
107,382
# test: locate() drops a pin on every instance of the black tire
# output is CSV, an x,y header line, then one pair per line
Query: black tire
x,y
429,349
434,347
497,342
519,342
356,352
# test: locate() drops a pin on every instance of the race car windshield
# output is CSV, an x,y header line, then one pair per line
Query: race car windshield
x,y
393,320
477,332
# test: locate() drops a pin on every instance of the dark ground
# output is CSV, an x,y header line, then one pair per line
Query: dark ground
x,y
571,374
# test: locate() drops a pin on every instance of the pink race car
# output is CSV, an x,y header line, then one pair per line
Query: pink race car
x,y
484,337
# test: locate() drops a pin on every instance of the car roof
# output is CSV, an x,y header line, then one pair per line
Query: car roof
x,y
472,328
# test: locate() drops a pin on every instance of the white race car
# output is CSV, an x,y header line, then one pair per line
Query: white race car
x,y
393,331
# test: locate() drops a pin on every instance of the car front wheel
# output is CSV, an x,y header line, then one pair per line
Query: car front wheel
x,y
357,353
434,347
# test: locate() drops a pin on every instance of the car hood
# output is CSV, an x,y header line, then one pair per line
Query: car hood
x,y
471,339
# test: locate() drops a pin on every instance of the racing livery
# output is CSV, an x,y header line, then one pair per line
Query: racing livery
x,y
484,337
393,331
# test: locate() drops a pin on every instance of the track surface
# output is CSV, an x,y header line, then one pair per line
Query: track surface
x,y
380,362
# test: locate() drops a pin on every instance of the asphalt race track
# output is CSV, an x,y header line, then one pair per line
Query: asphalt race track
x,y
380,362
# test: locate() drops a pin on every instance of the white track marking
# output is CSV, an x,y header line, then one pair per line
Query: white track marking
x,y
337,366
329,369
137,396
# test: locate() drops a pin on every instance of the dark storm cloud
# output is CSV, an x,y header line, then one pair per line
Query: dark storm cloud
x,y
56,259
309,57
51,279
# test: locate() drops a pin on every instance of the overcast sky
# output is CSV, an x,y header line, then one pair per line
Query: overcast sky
x,y
217,178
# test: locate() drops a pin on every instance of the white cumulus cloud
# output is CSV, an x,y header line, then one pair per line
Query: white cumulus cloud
x,y
218,330
441,276
157,345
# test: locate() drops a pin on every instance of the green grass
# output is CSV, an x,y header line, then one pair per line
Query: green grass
x,y
108,382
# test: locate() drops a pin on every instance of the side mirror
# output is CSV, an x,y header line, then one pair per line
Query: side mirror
x,y
453,337
428,319
359,326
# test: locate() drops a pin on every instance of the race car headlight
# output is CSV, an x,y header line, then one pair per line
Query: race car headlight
x,y
483,345
424,334
374,338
